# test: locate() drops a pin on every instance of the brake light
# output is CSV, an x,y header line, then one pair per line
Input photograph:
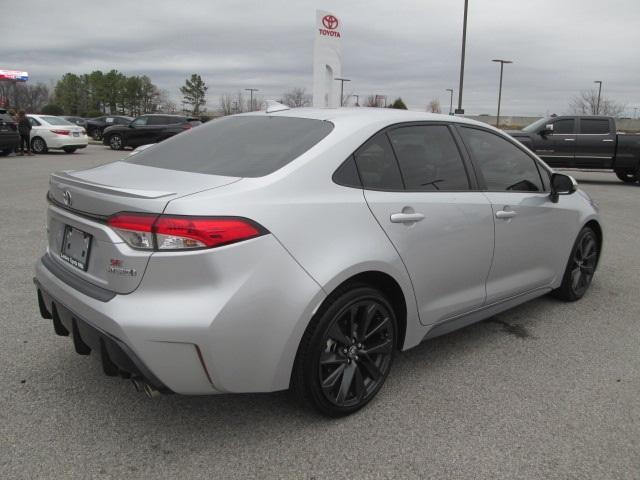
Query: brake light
x,y
186,126
61,132
168,232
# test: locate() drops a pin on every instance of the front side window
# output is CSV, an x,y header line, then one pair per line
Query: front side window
x,y
140,121
594,126
429,158
34,122
377,165
504,166
564,127
157,121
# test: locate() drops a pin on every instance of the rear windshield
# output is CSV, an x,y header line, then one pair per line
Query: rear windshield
x,y
56,121
248,146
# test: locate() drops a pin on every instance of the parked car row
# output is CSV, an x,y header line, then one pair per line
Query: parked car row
x,y
145,129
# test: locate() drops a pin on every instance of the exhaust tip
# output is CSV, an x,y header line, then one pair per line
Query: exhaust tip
x,y
150,391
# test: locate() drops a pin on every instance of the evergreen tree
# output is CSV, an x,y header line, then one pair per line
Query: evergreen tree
x,y
194,93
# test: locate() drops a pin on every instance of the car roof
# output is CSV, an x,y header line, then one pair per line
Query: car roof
x,y
369,115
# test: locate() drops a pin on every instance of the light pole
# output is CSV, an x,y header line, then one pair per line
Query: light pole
x,y
502,62
599,82
341,80
251,90
450,101
464,43
357,100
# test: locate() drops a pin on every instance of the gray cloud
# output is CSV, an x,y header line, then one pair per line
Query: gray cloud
x,y
398,48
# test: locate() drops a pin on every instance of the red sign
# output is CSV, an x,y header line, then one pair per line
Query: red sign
x,y
330,22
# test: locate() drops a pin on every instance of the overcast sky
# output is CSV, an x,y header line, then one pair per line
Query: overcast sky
x,y
407,48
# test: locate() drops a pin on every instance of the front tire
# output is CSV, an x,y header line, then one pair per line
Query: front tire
x,y
580,268
115,142
38,145
627,176
69,149
346,353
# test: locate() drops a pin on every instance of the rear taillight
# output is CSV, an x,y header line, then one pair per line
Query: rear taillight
x,y
61,132
168,232
186,126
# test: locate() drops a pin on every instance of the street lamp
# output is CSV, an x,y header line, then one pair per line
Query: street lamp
x,y
599,82
341,80
464,43
502,62
251,101
450,101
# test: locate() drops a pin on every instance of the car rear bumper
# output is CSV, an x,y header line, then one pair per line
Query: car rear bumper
x,y
206,322
63,141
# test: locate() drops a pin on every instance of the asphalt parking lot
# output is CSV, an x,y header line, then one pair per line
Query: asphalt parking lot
x,y
547,390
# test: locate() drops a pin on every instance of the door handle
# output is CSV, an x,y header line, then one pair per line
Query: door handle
x,y
608,140
505,214
406,217
569,139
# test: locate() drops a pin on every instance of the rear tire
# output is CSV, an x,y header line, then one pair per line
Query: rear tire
x,y
69,149
115,142
580,268
38,145
97,134
627,176
346,353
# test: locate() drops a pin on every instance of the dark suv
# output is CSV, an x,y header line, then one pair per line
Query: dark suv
x,y
152,128
95,126
9,138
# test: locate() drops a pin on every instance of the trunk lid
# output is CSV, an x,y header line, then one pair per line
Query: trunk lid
x,y
81,201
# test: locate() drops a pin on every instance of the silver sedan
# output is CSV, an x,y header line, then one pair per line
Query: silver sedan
x,y
302,248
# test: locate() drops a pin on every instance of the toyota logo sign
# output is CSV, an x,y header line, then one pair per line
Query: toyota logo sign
x,y
330,22
66,197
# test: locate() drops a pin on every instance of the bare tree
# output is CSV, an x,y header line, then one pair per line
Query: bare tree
x,y
165,104
434,106
296,97
373,101
226,104
586,103
231,104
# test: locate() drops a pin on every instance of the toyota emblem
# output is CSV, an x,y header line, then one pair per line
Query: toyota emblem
x,y
66,197
330,22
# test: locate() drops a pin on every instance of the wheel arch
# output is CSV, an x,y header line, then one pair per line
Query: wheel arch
x,y
594,225
390,288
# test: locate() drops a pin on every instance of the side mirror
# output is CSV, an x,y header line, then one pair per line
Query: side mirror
x,y
547,130
562,184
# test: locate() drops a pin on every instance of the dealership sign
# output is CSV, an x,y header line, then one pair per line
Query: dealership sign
x,y
14,75
327,60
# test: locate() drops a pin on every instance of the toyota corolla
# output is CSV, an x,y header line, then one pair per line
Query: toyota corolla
x,y
300,249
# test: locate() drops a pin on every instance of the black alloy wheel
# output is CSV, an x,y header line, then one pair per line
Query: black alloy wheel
x,y
627,176
346,356
581,266
115,142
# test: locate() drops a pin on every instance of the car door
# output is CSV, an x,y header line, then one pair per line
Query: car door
x,y
417,185
558,147
140,132
531,231
596,143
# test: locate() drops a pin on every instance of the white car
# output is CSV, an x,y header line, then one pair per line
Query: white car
x,y
49,132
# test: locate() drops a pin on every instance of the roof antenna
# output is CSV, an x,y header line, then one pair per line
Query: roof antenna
x,y
273,106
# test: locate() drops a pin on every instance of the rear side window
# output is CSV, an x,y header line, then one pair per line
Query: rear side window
x,y
157,121
246,146
564,127
594,126
429,158
377,165
504,166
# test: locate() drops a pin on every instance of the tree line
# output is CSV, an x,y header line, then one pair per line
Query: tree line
x,y
99,93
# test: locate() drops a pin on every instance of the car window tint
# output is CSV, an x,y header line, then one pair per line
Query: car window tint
x,y
140,121
504,166
251,146
377,165
563,127
347,174
157,121
122,121
594,125
34,122
429,158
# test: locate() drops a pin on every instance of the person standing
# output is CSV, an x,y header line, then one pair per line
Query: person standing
x,y
24,129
